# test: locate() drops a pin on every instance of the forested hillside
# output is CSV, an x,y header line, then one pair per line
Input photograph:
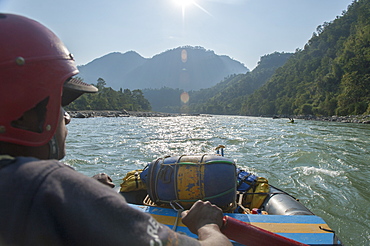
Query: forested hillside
x,y
228,96
223,98
165,99
331,75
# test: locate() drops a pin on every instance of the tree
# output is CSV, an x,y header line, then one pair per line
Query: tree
x,y
109,99
101,84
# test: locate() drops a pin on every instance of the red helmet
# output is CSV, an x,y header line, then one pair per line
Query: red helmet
x,y
34,66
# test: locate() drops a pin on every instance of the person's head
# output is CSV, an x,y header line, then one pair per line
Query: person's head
x,y
36,80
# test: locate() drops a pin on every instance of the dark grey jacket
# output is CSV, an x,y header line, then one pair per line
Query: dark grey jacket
x,y
49,203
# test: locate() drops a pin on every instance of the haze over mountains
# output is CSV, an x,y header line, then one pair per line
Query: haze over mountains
x,y
187,68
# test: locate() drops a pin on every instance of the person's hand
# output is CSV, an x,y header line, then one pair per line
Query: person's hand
x,y
104,179
201,214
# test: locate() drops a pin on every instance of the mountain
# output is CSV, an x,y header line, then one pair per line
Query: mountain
x,y
187,68
223,98
111,68
330,76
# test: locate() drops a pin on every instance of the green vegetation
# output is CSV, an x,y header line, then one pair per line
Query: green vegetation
x,y
330,76
109,99
228,96
165,99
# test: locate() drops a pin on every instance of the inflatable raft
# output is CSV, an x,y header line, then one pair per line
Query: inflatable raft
x,y
256,213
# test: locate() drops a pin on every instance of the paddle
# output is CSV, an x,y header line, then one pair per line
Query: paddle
x,y
251,235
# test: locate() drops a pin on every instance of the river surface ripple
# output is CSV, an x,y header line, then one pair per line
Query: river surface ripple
x,y
324,164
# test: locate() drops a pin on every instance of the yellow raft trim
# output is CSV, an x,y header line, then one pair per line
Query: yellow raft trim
x,y
272,227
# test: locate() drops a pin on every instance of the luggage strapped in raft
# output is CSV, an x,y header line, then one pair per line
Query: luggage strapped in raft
x,y
256,213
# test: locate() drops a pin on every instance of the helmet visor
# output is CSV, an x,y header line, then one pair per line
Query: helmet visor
x,y
75,87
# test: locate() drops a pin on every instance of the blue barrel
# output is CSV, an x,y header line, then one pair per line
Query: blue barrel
x,y
187,179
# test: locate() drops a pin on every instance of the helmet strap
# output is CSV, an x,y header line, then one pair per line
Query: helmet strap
x,y
53,149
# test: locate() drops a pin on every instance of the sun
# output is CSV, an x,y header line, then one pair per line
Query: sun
x,y
187,3
184,3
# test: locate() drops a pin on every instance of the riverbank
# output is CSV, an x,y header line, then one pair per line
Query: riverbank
x,y
360,119
113,113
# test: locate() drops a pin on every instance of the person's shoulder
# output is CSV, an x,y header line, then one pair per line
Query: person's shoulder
x,y
30,168
39,164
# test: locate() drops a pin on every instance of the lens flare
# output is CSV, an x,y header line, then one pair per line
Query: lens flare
x,y
184,56
184,97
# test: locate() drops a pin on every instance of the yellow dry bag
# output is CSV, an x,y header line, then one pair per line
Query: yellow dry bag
x,y
132,182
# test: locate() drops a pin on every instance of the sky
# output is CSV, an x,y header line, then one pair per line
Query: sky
x,y
245,30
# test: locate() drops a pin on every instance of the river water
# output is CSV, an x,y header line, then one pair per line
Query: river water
x,y
324,164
